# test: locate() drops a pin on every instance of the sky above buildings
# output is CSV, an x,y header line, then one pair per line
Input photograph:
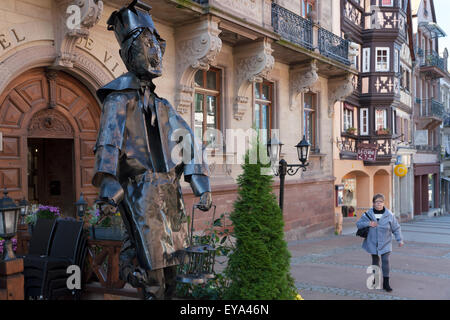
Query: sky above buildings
x,y
442,8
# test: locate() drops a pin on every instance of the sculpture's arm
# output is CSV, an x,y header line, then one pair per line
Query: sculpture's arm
x,y
108,148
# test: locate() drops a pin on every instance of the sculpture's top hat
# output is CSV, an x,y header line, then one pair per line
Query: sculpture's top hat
x,y
125,21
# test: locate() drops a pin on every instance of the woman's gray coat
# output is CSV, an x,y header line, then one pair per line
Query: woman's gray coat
x,y
379,239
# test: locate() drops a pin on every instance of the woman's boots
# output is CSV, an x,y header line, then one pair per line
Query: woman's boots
x,y
386,284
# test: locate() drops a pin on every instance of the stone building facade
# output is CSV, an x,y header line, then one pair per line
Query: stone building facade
x,y
428,107
280,65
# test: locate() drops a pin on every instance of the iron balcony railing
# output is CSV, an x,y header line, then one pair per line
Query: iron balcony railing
x,y
333,46
431,108
292,27
427,148
431,59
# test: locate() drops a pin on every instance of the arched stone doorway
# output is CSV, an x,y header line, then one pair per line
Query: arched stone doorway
x,y
51,109
382,184
357,186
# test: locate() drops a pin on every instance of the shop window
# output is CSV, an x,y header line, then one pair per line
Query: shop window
x,y
349,199
262,111
431,191
207,106
310,119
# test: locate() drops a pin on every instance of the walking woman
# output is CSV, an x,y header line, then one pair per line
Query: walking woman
x,y
382,224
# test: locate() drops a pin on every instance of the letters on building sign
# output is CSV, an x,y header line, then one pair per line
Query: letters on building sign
x,y
11,39
107,59
367,152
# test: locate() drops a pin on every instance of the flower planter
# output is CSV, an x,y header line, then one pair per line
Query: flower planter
x,y
106,233
382,132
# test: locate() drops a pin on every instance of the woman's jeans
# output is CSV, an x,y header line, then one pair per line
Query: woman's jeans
x,y
384,262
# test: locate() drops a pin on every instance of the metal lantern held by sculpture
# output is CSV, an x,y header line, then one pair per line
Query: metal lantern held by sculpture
x,y
9,217
197,261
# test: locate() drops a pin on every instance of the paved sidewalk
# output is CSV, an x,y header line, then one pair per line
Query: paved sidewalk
x,y
334,267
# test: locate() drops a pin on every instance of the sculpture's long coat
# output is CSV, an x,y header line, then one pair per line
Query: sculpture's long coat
x,y
143,158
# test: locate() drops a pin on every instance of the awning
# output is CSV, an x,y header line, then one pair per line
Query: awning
x,y
445,178
434,29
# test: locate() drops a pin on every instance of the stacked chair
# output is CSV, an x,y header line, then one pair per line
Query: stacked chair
x,y
45,271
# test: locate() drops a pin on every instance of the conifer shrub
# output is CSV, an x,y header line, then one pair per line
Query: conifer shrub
x,y
259,267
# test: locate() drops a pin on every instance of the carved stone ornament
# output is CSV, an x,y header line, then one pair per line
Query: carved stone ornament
x,y
50,123
197,48
253,64
301,80
72,20
338,90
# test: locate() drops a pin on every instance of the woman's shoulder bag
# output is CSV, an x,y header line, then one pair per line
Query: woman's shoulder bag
x,y
364,232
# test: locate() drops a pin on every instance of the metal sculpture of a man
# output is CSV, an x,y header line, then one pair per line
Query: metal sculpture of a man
x,y
143,148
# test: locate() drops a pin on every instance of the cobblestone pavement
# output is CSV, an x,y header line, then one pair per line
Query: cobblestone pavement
x,y
334,267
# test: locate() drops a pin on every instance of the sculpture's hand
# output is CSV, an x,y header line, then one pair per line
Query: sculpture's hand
x,y
205,202
106,210
138,278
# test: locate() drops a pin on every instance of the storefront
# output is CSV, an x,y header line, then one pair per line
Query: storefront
x,y
426,188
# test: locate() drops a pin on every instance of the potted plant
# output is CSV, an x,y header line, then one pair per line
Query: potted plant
x,y
2,242
108,228
43,212
383,131
352,130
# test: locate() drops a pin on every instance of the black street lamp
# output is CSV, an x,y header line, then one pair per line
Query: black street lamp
x,y
81,206
24,209
9,216
274,153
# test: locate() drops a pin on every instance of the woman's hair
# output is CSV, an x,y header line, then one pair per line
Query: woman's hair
x,y
377,196
351,209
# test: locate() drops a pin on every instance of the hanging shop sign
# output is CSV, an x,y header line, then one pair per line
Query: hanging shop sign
x,y
367,152
400,170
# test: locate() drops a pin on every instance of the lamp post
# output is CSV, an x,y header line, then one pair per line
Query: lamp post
x,y
24,209
9,216
81,206
274,152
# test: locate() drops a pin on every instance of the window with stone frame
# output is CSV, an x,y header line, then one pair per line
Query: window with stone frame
x,y
347,117
207,106
310,129
306,7
262,110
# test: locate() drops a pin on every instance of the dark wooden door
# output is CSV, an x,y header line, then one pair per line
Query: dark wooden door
x,y
47,104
